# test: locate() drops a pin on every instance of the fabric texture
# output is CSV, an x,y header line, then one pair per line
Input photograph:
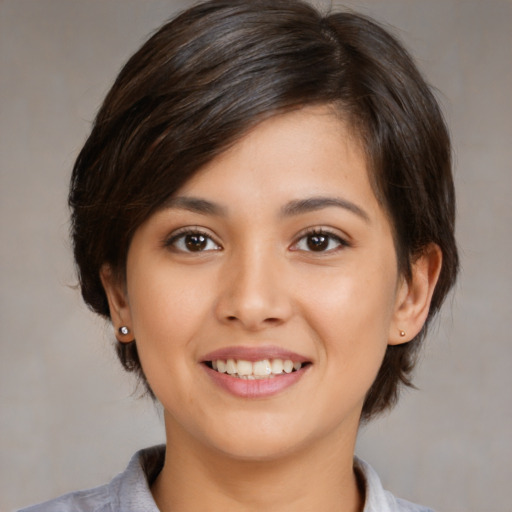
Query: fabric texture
x,y
130,490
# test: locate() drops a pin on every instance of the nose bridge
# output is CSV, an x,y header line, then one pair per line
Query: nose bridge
x,y
253,293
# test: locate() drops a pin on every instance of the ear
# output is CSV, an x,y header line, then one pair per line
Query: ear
x,y
414,296
118,303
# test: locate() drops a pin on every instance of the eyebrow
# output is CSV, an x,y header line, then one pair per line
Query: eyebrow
x,y
195,205
312,204
296,207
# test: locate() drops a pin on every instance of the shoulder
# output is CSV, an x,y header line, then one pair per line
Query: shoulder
x,y
377,498
400,505
129,491
92,500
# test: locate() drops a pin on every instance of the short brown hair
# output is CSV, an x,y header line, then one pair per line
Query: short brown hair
x,y
215,71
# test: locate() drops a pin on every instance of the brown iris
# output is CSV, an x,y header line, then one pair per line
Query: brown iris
x,y
195,242
318,242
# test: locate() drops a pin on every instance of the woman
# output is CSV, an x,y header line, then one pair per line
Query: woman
x,y
265,211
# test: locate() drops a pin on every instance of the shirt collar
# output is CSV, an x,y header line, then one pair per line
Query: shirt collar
x,y
131,492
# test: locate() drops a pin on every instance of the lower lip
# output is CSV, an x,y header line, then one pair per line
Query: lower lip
x,y
257,388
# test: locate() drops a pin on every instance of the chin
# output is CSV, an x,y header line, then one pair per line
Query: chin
x,y
259,441
258,449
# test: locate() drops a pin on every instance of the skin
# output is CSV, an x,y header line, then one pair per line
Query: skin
x,y
257,282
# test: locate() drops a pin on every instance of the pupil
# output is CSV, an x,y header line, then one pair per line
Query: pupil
x,y
195,242
318,242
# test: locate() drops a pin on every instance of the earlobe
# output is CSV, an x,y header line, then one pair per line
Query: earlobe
x,y
118,304
414,296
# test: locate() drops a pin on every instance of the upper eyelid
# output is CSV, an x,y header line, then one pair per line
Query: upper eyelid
x,y
186,230
341,240
312,230
323,230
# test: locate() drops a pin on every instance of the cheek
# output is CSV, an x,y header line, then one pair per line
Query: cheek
x,y
363,301
351,313
163,302
165,315
167,310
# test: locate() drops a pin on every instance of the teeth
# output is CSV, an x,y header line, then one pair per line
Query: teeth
x,y
277,366
244,367
258,370
288,366
262,368
231,367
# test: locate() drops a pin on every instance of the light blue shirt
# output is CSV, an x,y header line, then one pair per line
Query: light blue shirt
x,y
130,490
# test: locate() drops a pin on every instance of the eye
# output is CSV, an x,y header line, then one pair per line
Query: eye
x,y
319,241
192,241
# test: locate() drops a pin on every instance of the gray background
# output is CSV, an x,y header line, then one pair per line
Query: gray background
x,y
68,416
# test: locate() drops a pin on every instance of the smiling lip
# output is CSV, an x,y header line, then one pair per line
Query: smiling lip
x,y
258,388
254,354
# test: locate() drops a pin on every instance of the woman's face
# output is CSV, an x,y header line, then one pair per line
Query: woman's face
x,y
276,253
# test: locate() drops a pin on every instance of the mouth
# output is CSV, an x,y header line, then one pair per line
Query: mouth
x,y
256,370
253,372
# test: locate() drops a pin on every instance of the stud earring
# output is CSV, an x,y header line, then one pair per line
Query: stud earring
x,y
402,333
123,330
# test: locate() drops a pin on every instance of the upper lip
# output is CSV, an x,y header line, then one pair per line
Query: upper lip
x,y
254,354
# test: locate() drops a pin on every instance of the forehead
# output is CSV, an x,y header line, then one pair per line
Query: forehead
x,y
311,151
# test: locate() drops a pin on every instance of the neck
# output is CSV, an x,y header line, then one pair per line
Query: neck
x,y
197,477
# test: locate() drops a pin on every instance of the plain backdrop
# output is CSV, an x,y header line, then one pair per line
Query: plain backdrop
x,y
69,418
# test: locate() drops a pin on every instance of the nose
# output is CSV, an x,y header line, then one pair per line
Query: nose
x,y
254,293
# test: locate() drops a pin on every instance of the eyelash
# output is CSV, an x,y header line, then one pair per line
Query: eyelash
x,y
320,232
181,234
